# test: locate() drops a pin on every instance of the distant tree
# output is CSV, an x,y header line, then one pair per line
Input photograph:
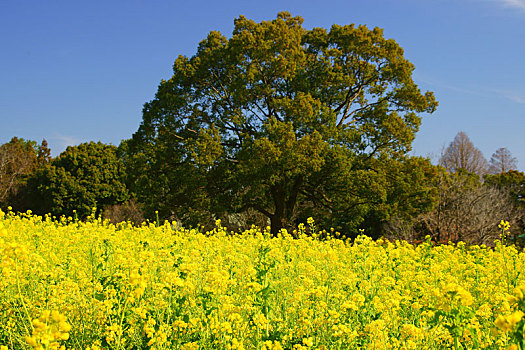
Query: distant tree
x,y
409,191
502,161
43,155
81,178
461,154
512,181
129,211
281,120
467,210
18,159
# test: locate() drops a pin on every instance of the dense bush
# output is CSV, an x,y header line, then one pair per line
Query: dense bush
x,y
82,178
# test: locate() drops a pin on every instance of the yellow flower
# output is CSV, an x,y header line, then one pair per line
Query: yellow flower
x,y
506,323
308,341
210,287
515,317
49,329
504,225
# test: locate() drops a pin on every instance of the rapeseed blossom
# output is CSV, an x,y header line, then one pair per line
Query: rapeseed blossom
x,y
93,285
49,331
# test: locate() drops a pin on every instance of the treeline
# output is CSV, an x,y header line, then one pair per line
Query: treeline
x,y
462,198
270,126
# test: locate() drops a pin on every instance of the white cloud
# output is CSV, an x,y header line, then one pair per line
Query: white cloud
x,y
442,85
59,143
67,140
519,4
516,96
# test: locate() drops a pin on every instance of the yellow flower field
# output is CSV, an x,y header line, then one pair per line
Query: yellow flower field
x,y
73,285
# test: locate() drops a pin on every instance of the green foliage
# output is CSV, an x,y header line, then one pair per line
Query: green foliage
x,y
408,190
81,178
282,120
512,181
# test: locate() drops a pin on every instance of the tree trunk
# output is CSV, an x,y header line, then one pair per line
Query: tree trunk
x,y
284,202
276,224
276,220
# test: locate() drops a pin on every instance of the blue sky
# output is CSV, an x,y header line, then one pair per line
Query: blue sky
x,y
77,71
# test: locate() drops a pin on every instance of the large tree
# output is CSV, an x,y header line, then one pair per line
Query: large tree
x,y
282,120
461,154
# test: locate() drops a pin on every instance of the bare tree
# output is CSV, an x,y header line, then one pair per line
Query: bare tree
x,y
469,213
130,211
467,210
17,157
502,161
461,154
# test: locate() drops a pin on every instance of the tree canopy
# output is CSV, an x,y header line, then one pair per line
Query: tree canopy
x,y
81,178
512,181
283,120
